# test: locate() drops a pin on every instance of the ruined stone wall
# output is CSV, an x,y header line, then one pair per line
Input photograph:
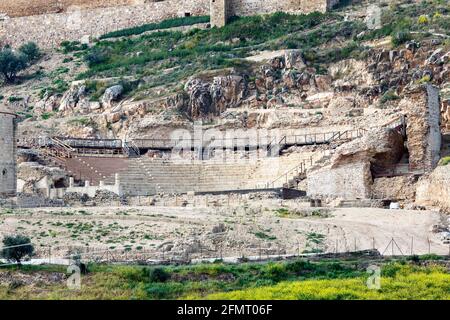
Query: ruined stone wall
x,y
422,109
434,189
349,181
434,122
75,19
7,154
251,7
49,30
220,12
21,8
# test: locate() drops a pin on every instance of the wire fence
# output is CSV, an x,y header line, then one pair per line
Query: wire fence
x,y
202,251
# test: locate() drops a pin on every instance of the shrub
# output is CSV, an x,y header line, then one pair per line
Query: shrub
x,y
95,57
158,275
12,99
16,248
400,38
73,46
389,96
275,272
11,64
444,161
423,19
46,115
425,79
31,51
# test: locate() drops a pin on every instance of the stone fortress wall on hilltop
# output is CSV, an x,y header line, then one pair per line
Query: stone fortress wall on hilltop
x,y
21,8
49,22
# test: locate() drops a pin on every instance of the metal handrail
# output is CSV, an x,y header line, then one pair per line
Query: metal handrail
x,y
302,166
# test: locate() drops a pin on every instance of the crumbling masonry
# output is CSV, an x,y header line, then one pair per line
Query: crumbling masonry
x,y
49,27
8,179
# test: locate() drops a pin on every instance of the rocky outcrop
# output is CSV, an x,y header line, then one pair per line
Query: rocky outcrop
x,y
294,60
402,188
380,147
434,189
72,97
112,94
347,174
49,103
208,99
36,178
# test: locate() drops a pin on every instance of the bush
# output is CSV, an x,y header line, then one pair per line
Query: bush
x,y
73,46
444,161
400,38
389,96
275,272
16,248
11,64
423,19
158,275
95,57
31,51
424,79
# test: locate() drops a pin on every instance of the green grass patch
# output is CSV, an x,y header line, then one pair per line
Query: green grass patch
x,y
296,279
408,283
444,161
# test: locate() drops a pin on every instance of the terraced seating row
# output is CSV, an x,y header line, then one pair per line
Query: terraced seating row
x,y
145,176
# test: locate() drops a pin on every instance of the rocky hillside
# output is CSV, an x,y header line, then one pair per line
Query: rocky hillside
x,y
296,72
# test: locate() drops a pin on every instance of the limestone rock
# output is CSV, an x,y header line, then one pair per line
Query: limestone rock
x,y
71,98
112,94
394,188
211,99
47,104
434,189
200,100
34,177
228,92
294,59
382,147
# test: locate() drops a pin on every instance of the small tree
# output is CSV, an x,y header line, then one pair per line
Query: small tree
x,y
15,248
31,51
11,63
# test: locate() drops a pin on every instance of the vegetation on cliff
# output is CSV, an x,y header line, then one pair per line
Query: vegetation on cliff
x,y
170,57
